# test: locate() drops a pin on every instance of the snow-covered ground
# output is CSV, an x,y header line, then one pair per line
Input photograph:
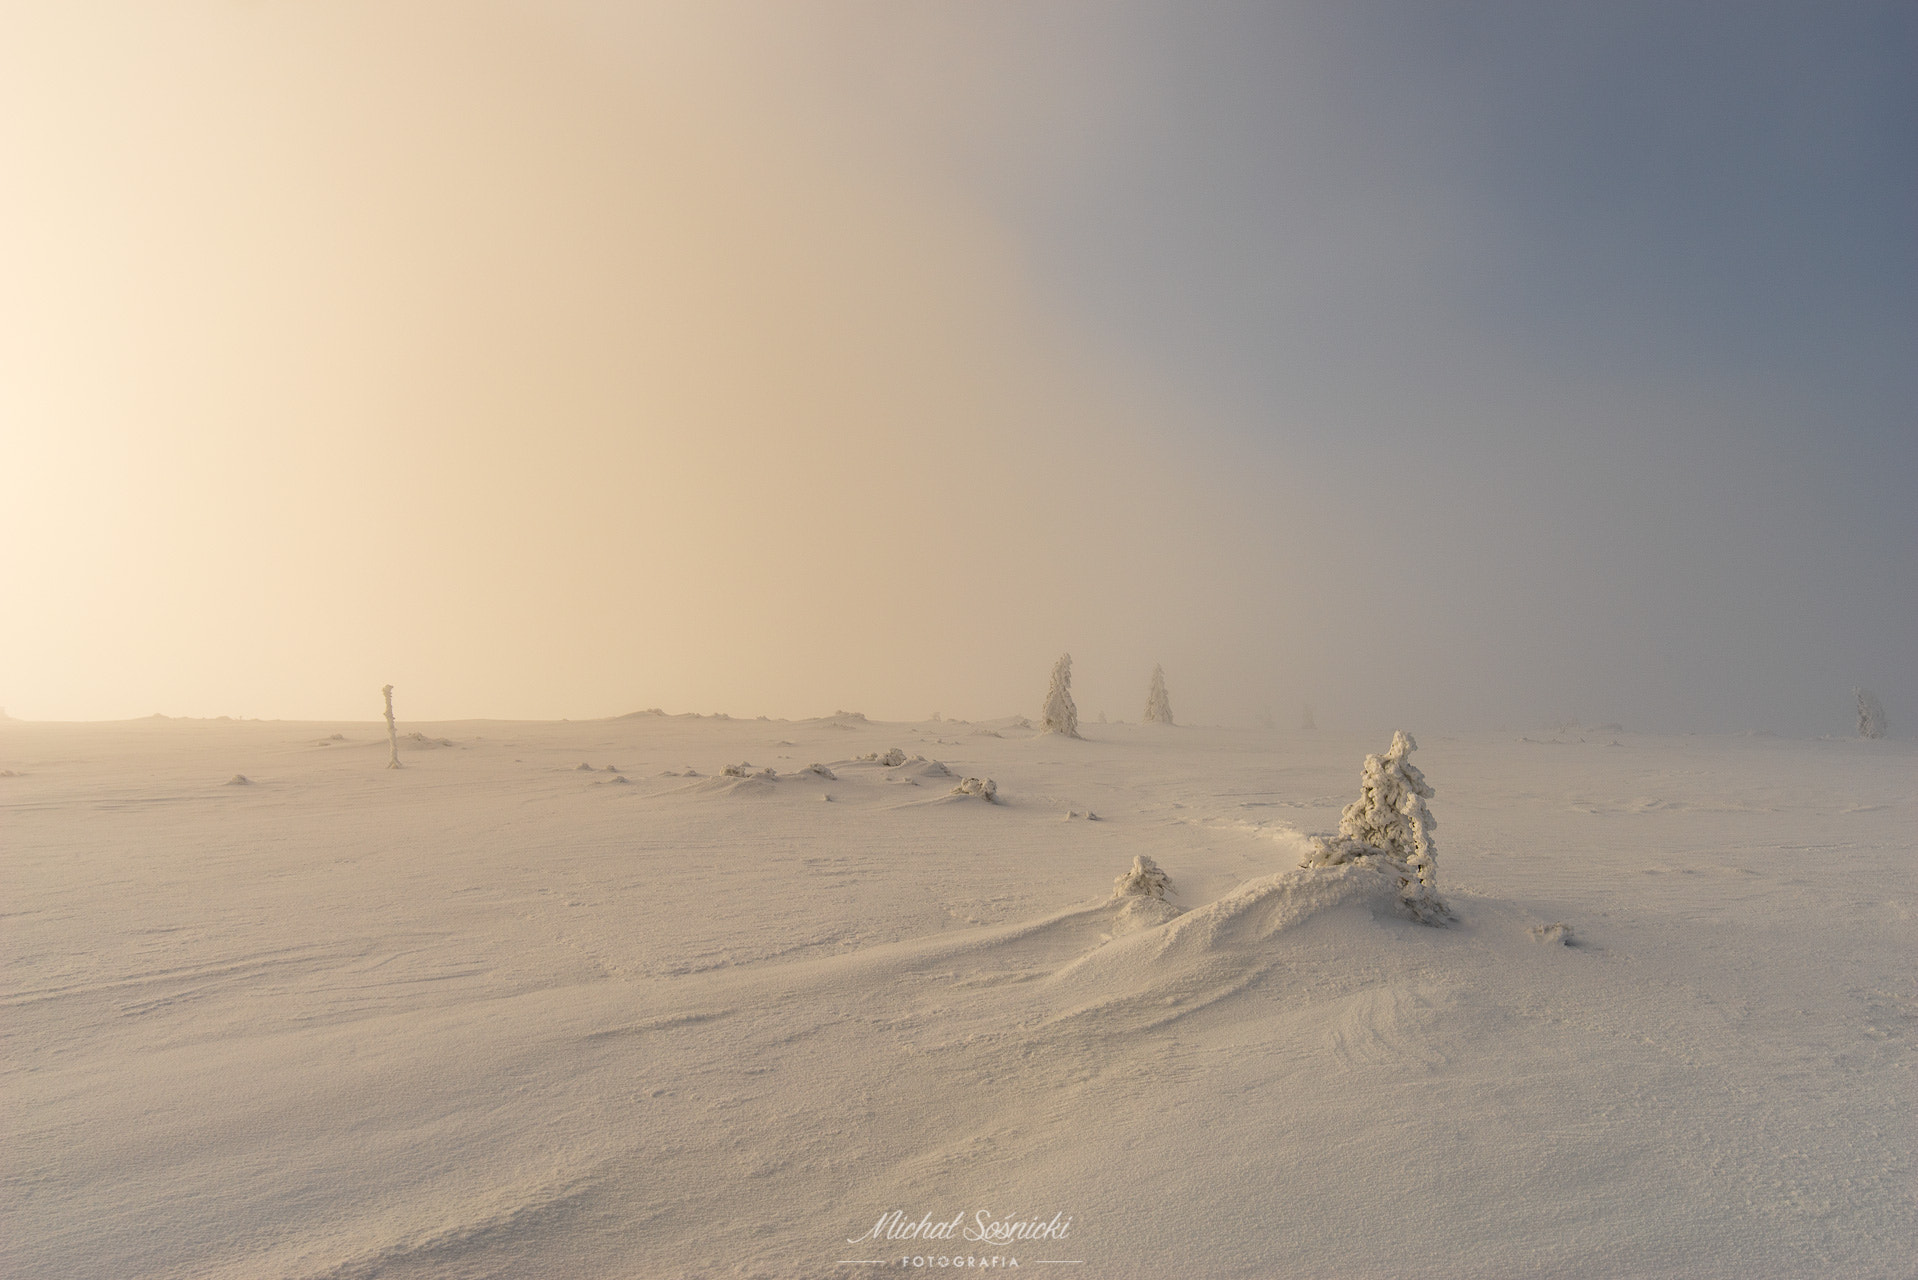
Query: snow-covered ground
x,y
497,1013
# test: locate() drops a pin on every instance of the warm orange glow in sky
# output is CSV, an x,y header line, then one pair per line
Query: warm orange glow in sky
x,y
538,369
563,359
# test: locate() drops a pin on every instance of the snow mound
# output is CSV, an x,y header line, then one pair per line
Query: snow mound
x,y
1145,879
1390,823
892,759
985,788
744,769
239,780
1559,933
821,770
929,768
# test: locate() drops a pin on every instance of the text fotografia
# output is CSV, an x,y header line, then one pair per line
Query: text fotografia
x,y
966,1260
983,1229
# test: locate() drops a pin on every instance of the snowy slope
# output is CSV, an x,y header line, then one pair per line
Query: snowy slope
x,y
497,1014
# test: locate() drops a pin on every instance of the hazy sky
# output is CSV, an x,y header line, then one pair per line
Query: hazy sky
x,y
1438,365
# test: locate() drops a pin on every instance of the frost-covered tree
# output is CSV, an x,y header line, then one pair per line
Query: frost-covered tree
x,y
1158,707
1060,715
1145,880
392,729
1871,715
1390,821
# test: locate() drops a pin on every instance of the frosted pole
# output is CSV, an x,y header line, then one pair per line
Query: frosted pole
x,y
392,729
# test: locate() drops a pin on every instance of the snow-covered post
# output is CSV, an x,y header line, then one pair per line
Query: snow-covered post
x,y
1158,707
392,729
1871,715
1060,715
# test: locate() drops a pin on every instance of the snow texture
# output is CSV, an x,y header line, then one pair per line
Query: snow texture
x,y
492,1019
1390,821
1060,714
1158,706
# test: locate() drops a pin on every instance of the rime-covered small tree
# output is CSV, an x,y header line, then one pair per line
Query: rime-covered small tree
x,y
1158,707
1871,714
1060,715
1389,821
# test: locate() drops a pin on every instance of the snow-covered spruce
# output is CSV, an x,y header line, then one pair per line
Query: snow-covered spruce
x,y
1145,880
1060,715
1158,707
1871,714
1390,821
985,788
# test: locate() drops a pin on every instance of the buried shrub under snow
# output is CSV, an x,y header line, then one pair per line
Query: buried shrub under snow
x,y
985,788
1389,822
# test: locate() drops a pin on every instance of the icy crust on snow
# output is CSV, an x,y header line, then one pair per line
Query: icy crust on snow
x,y
1389,823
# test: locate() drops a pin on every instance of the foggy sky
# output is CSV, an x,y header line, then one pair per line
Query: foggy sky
x,y
1434,365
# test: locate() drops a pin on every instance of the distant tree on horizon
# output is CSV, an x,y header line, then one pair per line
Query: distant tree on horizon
x,y
1060,715
1158,706
1871,714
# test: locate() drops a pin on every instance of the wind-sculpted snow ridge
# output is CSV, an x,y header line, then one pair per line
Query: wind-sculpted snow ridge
x,y
1390,822
1168,965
